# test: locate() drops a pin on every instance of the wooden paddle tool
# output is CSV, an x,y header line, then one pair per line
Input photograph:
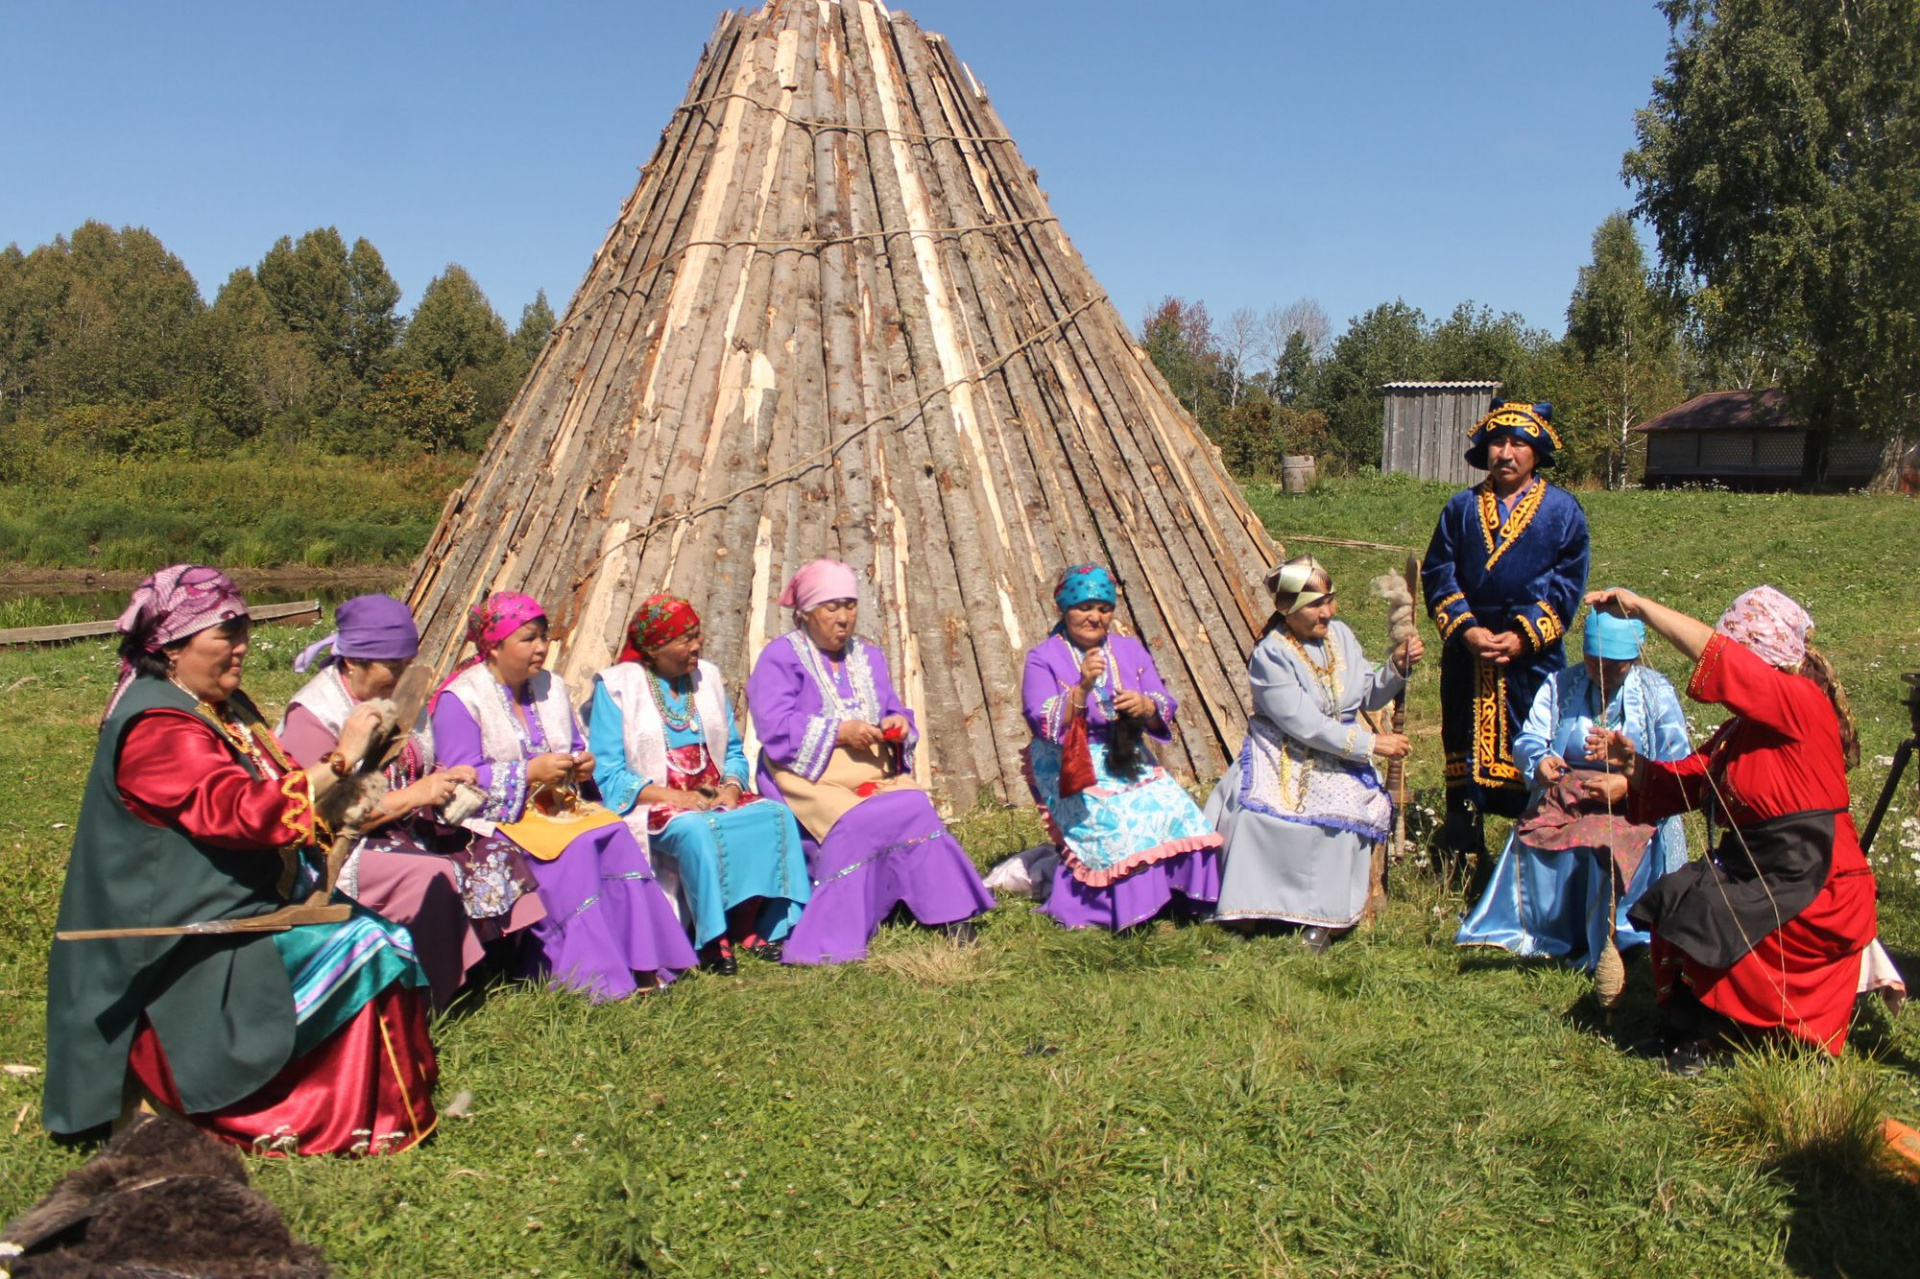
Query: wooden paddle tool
x,y
1400,592
344,803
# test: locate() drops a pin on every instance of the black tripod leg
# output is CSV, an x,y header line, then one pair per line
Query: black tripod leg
x,y
1900,758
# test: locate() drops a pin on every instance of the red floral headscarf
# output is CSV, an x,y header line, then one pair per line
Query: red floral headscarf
x,y
660,620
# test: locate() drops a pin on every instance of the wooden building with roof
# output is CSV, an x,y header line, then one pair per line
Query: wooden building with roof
x,y
1747,440
1424,425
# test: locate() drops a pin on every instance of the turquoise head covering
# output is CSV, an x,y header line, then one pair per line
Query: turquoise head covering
x,y
1613,638
1083,582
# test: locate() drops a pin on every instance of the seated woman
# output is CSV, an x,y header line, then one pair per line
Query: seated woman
x,y
668,758
1130,838
453,890
310,1040
608,930
1552,887
1302,807
1770,933
837,747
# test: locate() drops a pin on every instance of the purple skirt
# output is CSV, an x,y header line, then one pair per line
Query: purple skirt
x,y
1194,875
606,918
889,850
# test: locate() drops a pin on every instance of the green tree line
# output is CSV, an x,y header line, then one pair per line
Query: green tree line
x,y
107,345
1778,172
1269,385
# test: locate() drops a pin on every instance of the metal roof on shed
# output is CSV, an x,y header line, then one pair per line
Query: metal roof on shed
x,y
1437,386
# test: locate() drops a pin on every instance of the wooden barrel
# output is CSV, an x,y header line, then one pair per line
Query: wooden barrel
x,y
1296,473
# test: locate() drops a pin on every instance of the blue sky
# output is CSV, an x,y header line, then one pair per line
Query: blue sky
x,y
1244,154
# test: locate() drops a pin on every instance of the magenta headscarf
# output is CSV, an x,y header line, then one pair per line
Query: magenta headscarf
x,y
818,582
492,620
1770,624
172,605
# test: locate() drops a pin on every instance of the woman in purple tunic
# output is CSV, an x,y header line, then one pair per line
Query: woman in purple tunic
x,y
1130,838
506,716
837,744
452,890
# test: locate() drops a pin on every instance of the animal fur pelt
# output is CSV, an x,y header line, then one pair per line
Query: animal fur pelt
x,y
1392,588
159,1198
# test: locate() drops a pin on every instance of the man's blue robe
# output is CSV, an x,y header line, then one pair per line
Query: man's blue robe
x,y
1525,574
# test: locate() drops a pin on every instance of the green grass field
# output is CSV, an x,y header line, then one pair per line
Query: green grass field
x,y
1174,1102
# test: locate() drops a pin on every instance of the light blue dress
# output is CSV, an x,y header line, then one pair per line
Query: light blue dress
x,y
1553,904
724,858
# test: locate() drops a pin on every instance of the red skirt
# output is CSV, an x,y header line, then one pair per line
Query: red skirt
x,y
366,1090
1801,977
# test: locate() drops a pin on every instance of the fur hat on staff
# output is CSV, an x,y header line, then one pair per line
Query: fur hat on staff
x,y
1530,423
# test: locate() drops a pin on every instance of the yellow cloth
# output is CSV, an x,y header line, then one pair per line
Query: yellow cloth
x,y
544,835
818,805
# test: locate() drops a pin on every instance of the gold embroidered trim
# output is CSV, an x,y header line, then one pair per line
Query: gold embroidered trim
x,y
1492,749
1501,536
1533,636
299,816
1551,627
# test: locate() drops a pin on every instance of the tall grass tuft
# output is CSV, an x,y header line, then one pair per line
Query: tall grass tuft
x,y
1798,1110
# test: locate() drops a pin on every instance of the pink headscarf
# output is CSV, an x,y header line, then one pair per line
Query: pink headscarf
x,y
492,620
172,605
1770,624
818,582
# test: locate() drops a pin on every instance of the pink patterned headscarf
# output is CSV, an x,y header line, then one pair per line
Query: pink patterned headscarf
x,y
489,624
172,605
818,582
1770,624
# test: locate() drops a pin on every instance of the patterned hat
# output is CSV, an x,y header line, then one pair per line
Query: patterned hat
x,y
1531,423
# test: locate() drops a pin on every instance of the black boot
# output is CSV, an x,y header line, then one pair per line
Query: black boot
x,y
716,957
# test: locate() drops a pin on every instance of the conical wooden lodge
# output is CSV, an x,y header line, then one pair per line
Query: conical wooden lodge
x,y
837,317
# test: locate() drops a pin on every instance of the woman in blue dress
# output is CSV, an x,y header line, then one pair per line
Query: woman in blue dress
x,y
669,760
1549,891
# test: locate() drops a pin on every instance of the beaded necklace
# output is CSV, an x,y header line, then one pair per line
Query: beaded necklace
x,y
241,736
1326,675
687,715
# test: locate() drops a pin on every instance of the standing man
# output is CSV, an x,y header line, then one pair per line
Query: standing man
x,y
1504,572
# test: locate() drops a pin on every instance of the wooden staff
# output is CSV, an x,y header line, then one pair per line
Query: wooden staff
x,y
319,908
1397,769
1396,777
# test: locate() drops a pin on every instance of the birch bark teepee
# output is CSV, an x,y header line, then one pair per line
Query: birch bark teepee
x,y
837,317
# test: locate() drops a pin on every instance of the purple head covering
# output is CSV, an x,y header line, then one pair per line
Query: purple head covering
x,y
371,628
172,605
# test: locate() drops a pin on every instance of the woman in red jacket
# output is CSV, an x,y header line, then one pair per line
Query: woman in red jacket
x,y
1767,932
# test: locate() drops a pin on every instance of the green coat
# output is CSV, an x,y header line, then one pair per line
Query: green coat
x,y
222,1006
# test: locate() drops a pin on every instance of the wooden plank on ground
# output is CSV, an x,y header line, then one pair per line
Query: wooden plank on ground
x,y
299,613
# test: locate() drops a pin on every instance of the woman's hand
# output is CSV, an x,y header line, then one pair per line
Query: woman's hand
x,y
552,769
896,726
1092,668
1392,746
1607,788
1551,769
1409,652
858,735
730,795
1617,600
1612,748
357,733
1129,701
431,791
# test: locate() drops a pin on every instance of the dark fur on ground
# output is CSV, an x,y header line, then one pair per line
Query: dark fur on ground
x,y
160,1198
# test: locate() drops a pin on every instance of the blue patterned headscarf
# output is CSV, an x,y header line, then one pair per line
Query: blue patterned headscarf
x,y
1081,583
